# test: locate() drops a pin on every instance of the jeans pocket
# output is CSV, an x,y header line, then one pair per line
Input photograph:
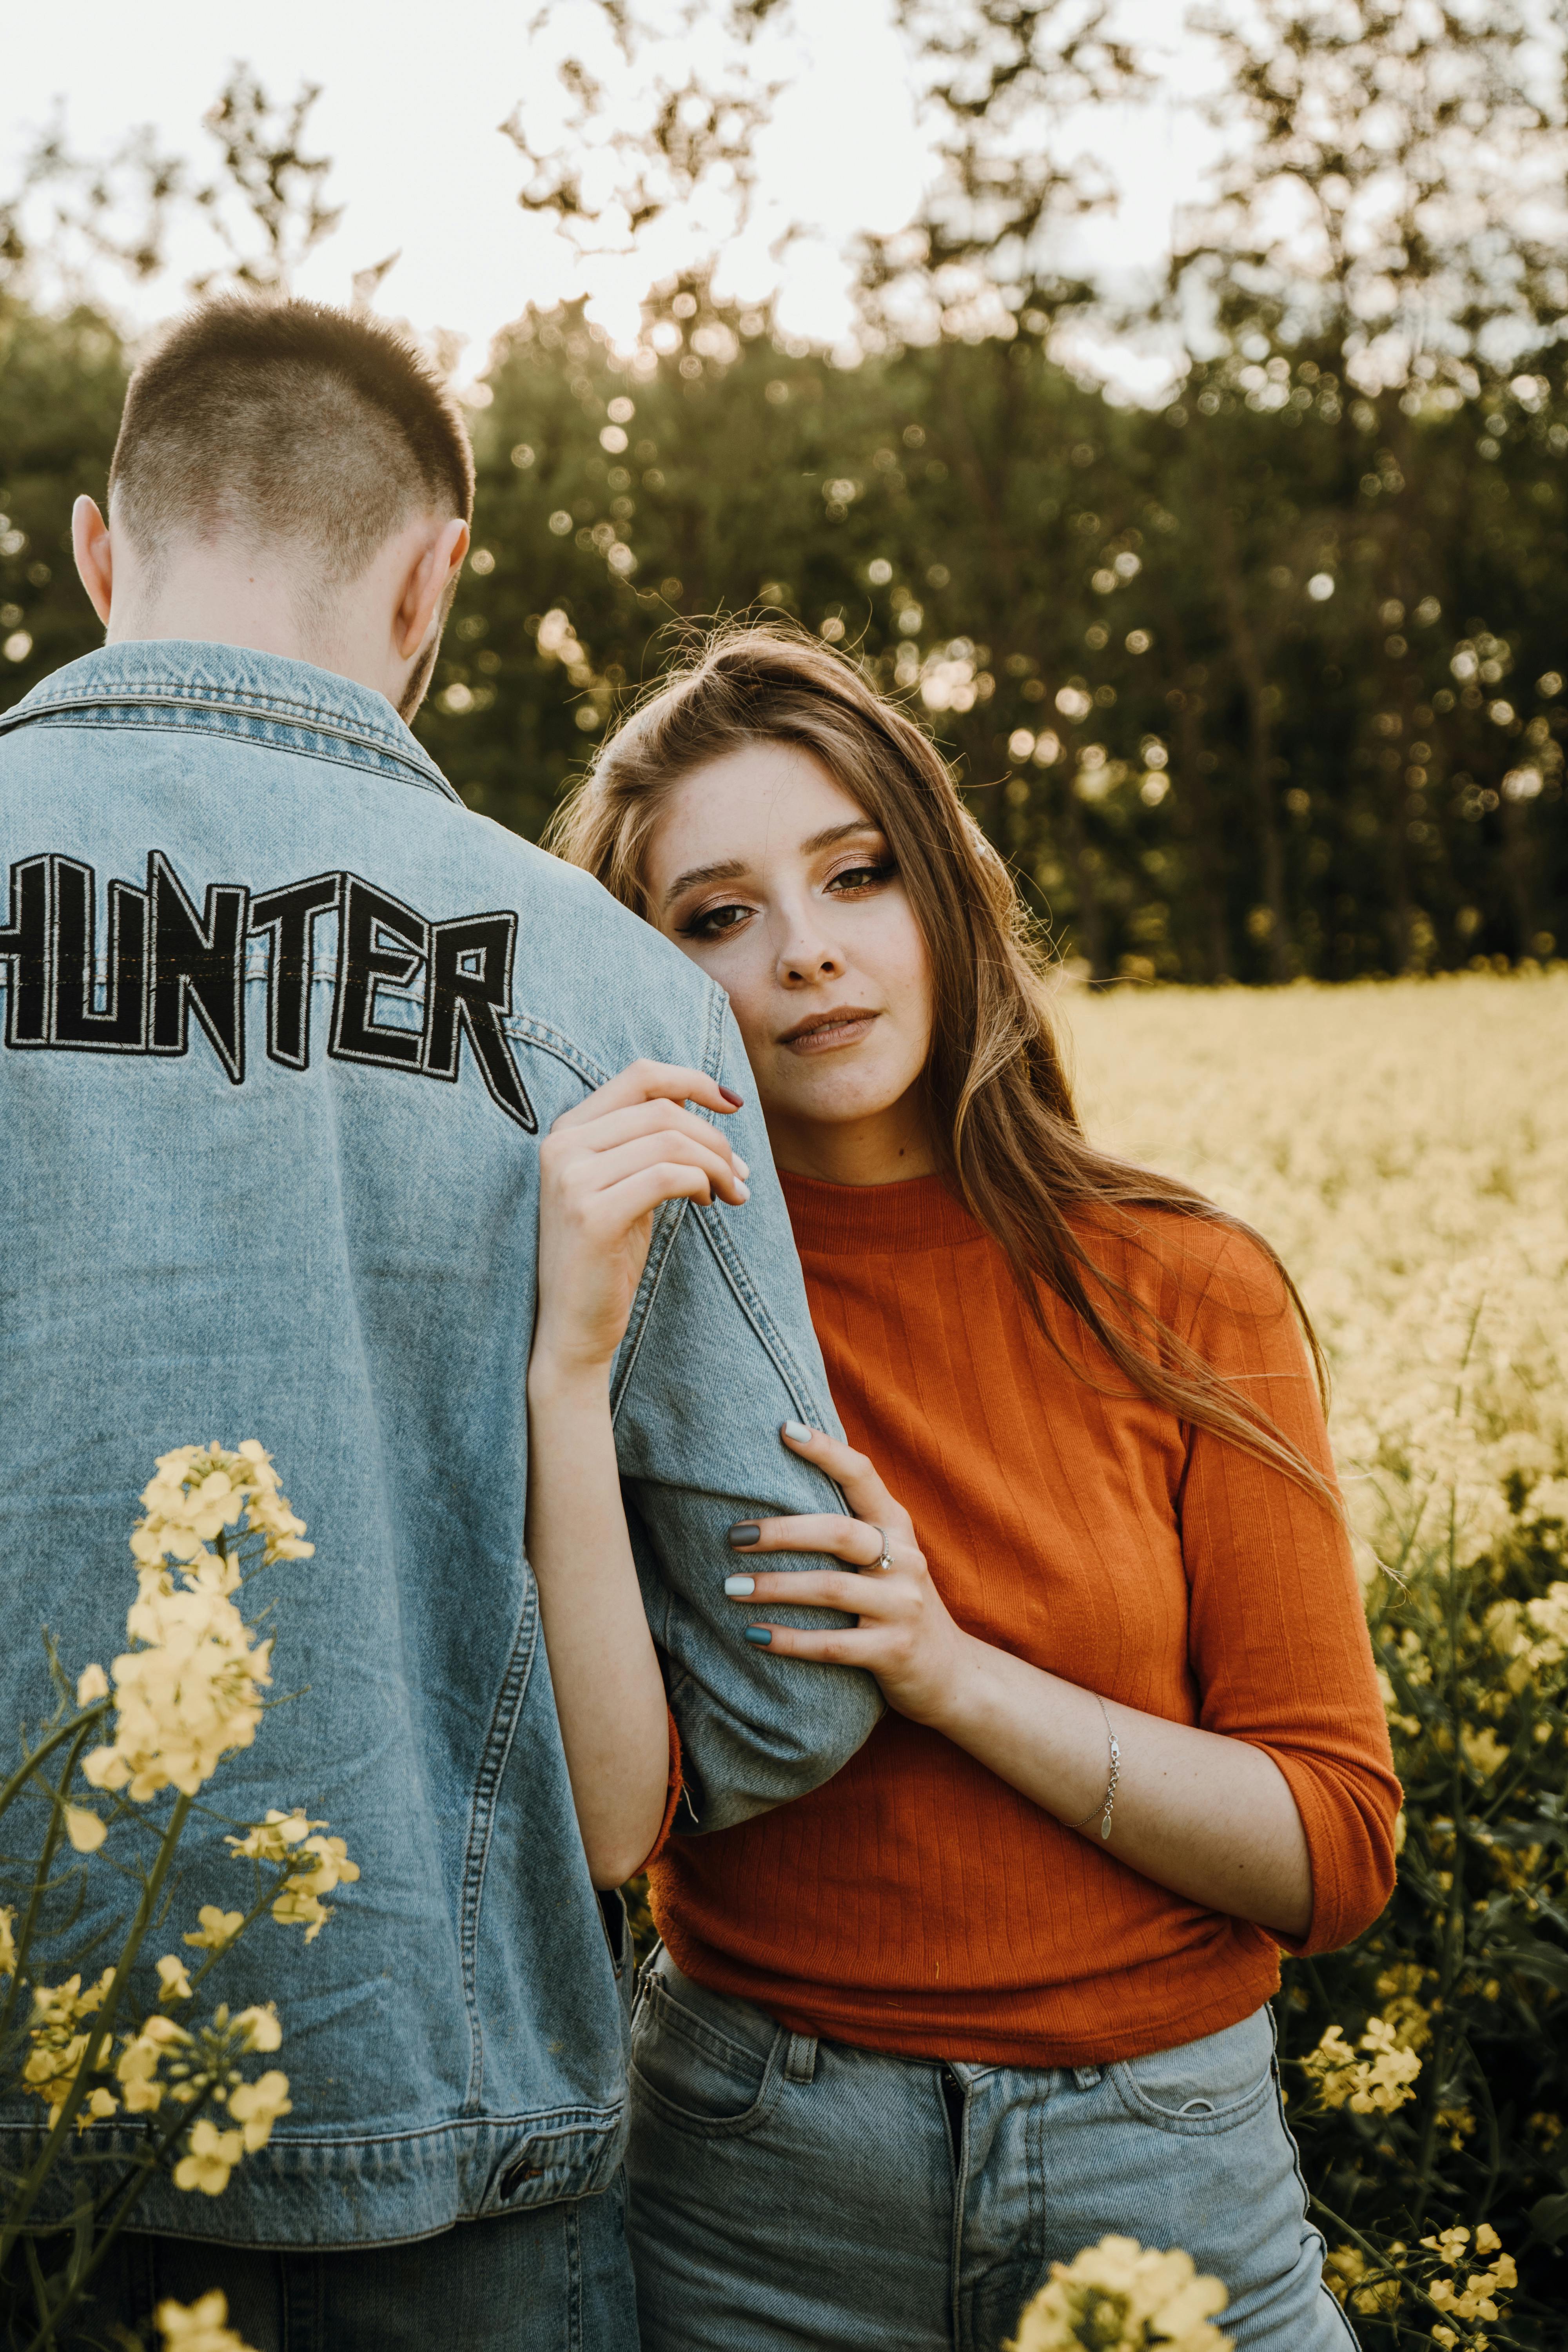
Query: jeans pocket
x,y
1209,2086
695,2073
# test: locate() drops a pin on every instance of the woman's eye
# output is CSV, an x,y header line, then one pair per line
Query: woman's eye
x,y
714,921
861,878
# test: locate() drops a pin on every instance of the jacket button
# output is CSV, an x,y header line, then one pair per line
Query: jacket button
x,y
511,2180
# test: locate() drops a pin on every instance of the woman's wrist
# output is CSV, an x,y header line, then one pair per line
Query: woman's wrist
x,y
566,1378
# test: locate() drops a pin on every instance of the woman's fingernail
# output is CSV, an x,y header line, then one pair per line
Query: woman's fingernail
x,y
742,1170
799,1432
759,1637
739,1586
744,1533
732,1096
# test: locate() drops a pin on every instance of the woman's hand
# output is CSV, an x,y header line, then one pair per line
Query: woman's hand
x,y
903,1634
604,1168
1209,1816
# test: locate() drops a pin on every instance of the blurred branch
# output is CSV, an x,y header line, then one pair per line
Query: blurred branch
x,y
1394,181
656,120
72,214
1009,88
264,162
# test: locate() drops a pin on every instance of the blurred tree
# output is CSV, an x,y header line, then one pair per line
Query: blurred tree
x,y
1269,681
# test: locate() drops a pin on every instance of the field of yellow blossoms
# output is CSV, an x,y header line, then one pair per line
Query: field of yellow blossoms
x,y
1405,1146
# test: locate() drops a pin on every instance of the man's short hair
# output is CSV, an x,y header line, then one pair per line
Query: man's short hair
x,y
289,425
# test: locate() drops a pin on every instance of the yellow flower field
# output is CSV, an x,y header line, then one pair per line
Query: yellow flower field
x,y
1405,1146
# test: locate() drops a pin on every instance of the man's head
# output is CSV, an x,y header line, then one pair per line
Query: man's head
x,y
292,478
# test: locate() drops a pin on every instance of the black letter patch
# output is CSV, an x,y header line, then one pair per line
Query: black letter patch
x,y
470,988
163,961
198,967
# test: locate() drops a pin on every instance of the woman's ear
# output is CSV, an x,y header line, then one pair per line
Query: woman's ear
x,y
94,556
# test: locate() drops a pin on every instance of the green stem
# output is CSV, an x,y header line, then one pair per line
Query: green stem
x,y
77,1734
12,1789
100,2032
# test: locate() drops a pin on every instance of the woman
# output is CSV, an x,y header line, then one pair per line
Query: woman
x,y
1001,1986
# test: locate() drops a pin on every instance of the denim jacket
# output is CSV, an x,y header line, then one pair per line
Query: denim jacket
x,y
283,1025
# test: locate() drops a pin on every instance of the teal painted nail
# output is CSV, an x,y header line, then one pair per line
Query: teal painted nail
x,y
799,1432
760,1635
739,1585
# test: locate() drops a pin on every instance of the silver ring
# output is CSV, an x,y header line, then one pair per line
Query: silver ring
x,y
881,1535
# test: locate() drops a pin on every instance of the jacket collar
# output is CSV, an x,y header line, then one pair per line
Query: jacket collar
x,y
194,677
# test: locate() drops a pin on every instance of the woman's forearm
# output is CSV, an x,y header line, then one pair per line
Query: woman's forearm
x,y
610,1692
1208,1816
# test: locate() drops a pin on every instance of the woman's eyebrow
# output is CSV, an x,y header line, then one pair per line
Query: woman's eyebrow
x,y
725,870
833,833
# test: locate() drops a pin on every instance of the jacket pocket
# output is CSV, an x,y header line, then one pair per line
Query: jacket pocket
x,y
695,2073
1205,2086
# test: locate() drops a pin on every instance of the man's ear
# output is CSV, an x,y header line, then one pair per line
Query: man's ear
x,y
94,556
435,565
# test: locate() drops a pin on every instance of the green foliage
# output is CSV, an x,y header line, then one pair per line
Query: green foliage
x,y
1469,1964
1216,770
62,381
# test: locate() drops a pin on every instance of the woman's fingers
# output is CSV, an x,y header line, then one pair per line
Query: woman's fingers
x,y
600,1173
848,1645
646,1081
577,1155
853,1473
573,1132
849,1539
817,1588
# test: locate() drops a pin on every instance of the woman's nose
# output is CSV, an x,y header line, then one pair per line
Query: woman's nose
x,y
801,964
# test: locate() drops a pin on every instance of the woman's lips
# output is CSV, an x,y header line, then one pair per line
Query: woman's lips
x,y
845,1026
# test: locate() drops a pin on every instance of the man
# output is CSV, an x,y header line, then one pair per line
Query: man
x,y
283,1026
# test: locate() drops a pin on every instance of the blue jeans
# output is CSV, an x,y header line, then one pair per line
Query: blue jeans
x,y
553,2278
787,2191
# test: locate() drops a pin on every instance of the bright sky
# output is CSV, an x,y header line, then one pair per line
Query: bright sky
x,y
410,114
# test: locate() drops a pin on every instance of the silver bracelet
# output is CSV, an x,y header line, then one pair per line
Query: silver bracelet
x,y
1109,1800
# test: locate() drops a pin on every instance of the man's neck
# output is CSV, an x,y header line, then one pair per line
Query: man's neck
x,y
221,602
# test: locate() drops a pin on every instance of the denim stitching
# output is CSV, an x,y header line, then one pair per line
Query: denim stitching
x,y
373,760
493,1765
732,1266
194,704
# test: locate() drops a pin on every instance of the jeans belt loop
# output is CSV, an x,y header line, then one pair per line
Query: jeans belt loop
x,y
1086,2077
800,2061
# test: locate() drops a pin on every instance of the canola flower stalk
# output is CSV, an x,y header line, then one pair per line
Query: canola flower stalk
x,y
186,1693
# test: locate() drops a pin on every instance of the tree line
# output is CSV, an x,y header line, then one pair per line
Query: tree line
x,y
1266,681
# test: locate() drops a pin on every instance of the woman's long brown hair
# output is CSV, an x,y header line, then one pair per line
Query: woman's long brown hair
x,y
1002,1115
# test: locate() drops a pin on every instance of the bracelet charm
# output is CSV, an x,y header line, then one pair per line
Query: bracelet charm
x,y
1106,1803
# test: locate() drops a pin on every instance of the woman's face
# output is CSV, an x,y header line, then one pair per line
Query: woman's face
x,y
764,872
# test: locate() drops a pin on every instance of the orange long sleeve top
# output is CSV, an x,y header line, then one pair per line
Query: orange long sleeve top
x,y
916,1902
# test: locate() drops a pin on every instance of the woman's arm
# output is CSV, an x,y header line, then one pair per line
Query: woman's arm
x,y
1207,1815
604,1168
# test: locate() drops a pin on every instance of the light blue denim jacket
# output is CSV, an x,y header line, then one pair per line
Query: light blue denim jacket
x,y
283,1025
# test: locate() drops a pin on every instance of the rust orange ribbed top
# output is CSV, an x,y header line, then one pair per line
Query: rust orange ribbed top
x,y
916,1902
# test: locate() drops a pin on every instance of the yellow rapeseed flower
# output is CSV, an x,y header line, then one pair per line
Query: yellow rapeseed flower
x,y
256,2107
200,2327
218,1929
1148,2299
212,2156
85,1829
174,1984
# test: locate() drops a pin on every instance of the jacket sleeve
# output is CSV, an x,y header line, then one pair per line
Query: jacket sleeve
x,y
720,1352
1280,1651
